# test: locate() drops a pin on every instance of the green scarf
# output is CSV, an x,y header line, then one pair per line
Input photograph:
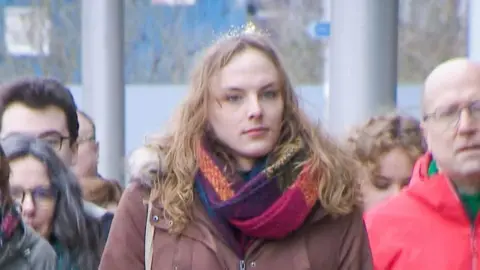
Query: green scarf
x,y
471,202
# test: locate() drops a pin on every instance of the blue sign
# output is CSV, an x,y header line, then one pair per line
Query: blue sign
x,y
319,30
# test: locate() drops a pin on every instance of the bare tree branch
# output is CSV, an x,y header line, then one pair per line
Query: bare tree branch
x,y
433,32
161,51
430,31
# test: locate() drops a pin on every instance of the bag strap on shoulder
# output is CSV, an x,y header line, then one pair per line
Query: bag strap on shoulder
x,y
149,232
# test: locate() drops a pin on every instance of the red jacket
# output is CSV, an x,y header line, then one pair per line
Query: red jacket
x,y
424,227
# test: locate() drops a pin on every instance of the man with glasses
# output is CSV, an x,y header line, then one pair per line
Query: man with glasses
x,y
433,223
86,165
45,108
96,189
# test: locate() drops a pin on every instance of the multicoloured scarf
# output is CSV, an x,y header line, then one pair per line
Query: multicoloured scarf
x,y
270,205
9,221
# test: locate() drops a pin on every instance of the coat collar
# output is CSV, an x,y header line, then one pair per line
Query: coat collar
x,y
435,192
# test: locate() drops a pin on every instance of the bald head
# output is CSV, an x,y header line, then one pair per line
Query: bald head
x,y
452,124
450,78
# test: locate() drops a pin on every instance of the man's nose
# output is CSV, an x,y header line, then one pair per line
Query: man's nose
x,y
466,123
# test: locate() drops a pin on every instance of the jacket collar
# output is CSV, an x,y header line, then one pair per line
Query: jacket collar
x,y
21,240
435,192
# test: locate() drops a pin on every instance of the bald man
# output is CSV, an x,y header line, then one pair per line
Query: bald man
x,y
433,223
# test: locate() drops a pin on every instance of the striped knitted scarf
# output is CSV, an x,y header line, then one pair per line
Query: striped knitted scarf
x,y
269,205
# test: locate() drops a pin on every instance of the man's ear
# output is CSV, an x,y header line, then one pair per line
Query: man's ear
x,y
425,135
97,151
74,148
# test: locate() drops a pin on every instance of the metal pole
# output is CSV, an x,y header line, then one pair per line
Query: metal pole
x,y
87,61
326,63
103,80
474,30
363,61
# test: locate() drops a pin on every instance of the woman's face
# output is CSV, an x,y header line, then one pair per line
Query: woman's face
x,y
246,106
30,186
394,171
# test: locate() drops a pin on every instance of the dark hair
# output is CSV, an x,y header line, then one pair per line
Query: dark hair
x,y
90,121
4,179
40,93
77,232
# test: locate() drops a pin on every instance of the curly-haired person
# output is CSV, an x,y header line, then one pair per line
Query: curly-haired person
x,y
388,147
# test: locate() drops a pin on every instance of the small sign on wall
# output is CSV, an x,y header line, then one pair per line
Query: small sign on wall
x,y
27,31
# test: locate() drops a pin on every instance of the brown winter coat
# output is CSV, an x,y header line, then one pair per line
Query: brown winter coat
x,y
322,243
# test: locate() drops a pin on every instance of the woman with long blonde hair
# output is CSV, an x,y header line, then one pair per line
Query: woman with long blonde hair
x,y
247,181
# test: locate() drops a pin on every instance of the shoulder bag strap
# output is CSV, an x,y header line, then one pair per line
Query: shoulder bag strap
x,y
149,232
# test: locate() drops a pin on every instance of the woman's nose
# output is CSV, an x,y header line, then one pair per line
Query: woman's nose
x,y
28,205
255,109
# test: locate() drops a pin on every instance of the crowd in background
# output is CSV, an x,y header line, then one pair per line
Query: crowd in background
x,y
243,179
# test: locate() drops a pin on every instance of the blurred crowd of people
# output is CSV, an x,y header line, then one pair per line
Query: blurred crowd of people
x,y
241,178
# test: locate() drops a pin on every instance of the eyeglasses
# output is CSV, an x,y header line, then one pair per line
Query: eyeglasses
x,y
446,118
86,139
55,140
40,195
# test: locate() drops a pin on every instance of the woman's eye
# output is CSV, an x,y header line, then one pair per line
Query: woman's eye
x,y
382,183
270,94
233,98
43,193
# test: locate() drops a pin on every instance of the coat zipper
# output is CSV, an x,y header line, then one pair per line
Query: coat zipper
x,y
473,233
243,266
474,247
248,253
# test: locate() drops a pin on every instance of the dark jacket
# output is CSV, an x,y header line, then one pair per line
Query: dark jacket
x,y
102,215
27,250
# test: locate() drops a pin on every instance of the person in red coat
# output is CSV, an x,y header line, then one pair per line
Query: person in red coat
x,y
433,223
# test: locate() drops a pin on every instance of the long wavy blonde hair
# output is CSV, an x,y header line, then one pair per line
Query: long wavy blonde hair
x,y
335,170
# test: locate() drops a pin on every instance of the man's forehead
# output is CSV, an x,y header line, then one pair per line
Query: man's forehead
x,y
454,79
85,128
35,132
18,118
